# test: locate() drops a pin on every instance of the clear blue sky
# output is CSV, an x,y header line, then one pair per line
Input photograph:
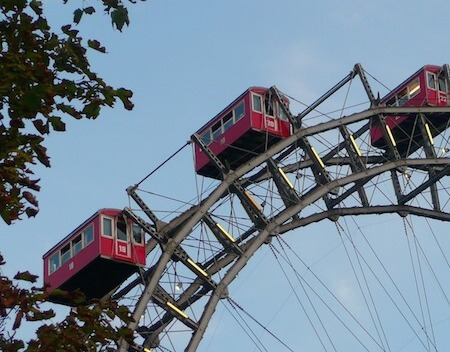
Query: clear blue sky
x,y
185,61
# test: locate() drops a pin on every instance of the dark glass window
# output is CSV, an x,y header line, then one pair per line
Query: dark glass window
x,y
65,253
442,85
216,130
107,227
268,105
414,88
122,231
431,80
257,106
54,262
206,137
77,244
89,235
239,111
227,121
392,101
137,233
402,97
281,113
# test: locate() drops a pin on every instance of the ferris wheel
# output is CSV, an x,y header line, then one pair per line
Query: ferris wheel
x,y
262,172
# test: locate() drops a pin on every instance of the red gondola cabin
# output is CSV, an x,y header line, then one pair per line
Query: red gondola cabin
x,y
248,126
96,257
427,87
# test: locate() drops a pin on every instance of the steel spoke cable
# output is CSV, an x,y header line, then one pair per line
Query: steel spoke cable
x,y
234,303
438,244
429,265
335,298
394,285
163,163
302,305
338,228
382,286
419,275
424,290
366,282
253,338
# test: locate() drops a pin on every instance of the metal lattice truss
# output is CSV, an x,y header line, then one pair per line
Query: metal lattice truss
x,y
322,171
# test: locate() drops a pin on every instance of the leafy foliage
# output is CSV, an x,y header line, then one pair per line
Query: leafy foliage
x,y
46,78
86,328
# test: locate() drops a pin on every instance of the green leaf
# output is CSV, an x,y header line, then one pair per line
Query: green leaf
x,y
125,95
89,10
36,6
95,44
31,101
120,18
57,124
78,13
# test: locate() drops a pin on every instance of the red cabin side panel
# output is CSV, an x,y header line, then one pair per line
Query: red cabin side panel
x,y
77,262
92,262
229,136
425,96
245,137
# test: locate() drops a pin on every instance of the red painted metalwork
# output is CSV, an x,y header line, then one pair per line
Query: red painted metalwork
x,y
245,128
426,87
96,257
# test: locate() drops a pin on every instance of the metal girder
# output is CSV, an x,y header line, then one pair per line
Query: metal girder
x,y
362,75
285,188
431,181
179,253
212,157
356,160
250,206
328,94
131,191
274,227
318,167
222,235
430,153
401,210
294,122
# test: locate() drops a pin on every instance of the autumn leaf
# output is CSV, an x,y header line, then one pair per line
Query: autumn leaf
x,y
26,276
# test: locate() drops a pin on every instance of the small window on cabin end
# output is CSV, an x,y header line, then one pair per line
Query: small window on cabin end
x,y
107,227
54,263
431,80
137,234
239,111
122,231
77,244
65,253
257,105
88,235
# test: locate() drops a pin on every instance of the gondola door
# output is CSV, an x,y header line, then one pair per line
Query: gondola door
x,y
123,241
442,90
